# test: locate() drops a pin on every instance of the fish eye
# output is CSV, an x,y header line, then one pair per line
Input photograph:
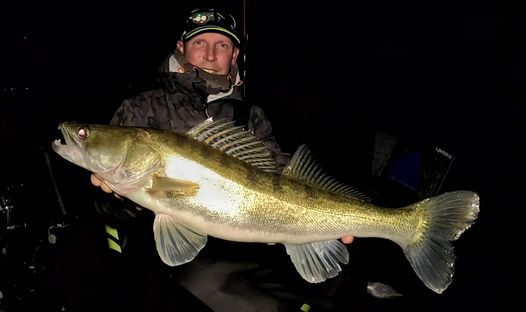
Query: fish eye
x,y
82,133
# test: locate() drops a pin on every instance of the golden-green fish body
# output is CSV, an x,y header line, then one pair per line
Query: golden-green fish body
x,y
219,180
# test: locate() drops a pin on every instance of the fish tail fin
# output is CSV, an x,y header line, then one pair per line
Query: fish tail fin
x,y
431,252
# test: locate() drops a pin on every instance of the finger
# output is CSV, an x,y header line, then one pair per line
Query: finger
x,y
95,180
105,188
347,239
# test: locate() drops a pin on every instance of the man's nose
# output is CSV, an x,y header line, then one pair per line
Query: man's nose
x,y
210,54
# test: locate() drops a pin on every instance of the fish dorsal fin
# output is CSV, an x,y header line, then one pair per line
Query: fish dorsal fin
x,y
233,140
305,168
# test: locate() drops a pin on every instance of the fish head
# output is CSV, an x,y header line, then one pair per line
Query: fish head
x,y
91,147
115,154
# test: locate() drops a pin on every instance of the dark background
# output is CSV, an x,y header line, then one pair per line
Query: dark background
x,y
446,74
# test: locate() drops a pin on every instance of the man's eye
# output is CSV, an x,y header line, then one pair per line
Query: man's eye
x,y
223,45
199,42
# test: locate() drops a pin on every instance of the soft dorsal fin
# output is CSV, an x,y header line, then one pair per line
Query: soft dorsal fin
x,y
235,141
304,167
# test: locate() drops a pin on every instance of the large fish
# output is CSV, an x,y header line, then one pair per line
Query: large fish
x,y
220,180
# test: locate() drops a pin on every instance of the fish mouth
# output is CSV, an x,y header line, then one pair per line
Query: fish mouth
x,y
61,140
67,147
62,137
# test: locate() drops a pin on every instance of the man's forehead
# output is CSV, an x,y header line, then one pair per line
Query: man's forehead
x,y
212,36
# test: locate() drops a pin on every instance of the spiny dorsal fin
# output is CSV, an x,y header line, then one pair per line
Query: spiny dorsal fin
x,y
304,167
235,141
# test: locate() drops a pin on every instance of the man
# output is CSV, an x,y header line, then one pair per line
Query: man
x,y
200,79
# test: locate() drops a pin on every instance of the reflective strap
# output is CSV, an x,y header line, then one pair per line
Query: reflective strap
x,y
112,231
305,307
113,245
114,234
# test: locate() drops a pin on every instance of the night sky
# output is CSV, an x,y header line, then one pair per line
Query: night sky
x,y
447,74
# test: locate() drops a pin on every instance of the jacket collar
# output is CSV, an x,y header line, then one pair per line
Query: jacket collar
x,y
176,72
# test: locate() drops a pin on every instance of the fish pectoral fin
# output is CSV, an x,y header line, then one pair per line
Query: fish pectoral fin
x,y
318,261
173,186
176,244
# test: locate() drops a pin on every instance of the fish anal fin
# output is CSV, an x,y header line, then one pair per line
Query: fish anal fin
x,y
176,243
318,261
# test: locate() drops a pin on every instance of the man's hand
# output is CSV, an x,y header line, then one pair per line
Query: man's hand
x,y
100,183
347,239
106,208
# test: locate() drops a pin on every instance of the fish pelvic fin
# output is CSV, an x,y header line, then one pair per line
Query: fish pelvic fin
x,y
431,252
318,261
176,244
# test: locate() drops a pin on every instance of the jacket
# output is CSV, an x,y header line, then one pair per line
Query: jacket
x,y
185,99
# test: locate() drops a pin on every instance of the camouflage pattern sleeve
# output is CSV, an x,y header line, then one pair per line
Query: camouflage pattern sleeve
x,y
129,114
262,128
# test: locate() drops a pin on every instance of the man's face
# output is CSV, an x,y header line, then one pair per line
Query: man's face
x,y
211,52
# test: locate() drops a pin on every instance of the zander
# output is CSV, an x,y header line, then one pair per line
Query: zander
x,y
220,180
